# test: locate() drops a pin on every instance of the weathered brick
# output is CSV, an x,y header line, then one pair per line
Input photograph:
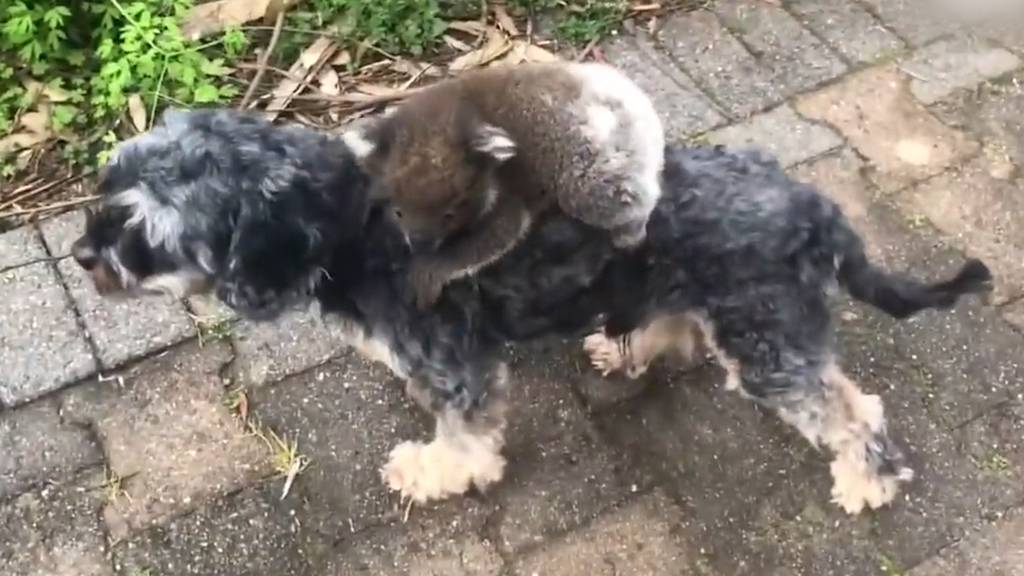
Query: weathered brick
x,y
781,133
958,63
877,114
847,27
36,446
718,61
794,58
294,342
55,531
121,328
917,21
637,538
996,550
168,435
250,533
19,246
683,109
42,347
980,215
345,416
444,539
558,485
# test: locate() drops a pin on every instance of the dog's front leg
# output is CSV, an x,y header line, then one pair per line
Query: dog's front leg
x,y
465,451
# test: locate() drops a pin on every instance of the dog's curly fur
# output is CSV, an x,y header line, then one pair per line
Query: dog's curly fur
x,y
736,250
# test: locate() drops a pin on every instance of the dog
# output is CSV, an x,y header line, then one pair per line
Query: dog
x,y
735,250
469,163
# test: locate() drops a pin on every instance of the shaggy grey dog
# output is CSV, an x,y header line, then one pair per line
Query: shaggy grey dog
x,y
736,252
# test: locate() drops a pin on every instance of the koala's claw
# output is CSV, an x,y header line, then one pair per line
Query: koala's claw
x,y
426,286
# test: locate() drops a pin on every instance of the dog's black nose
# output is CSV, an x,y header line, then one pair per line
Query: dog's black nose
x,y
84,254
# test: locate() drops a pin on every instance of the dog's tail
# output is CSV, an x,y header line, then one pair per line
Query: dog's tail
x,y
897,295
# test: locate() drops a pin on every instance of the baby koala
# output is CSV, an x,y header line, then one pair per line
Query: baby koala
x,y
469,163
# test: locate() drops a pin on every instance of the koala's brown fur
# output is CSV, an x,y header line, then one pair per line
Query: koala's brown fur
x,y
468,163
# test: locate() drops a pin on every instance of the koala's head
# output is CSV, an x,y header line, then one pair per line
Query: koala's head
x,y
435,163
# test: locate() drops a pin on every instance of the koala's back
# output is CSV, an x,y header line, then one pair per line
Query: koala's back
x,y
584,134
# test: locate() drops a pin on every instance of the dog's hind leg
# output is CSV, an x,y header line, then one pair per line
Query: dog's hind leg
x,y
867,468
633,352
465,451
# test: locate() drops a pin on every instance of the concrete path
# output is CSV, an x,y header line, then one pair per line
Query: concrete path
x,y
122,450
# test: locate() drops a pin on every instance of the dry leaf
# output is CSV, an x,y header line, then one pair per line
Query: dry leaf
x,y
414,69
212,17
505,21
516,55
535,53
137,112
329,81
456,43
495,47
376,89
472,27
33,128
308,63
330,84
343,58
651,7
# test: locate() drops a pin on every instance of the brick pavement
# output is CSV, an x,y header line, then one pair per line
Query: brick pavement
x,y
120,454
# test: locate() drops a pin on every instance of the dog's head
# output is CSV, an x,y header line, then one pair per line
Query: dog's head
x,y
226,201
435,161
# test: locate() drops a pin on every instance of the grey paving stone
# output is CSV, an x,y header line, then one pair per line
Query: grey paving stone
x,y
20,245
794,58
55,531
717,61
168,434
994,112
559,485
37,446
848,28
980,215
1014,314
917,21
296,341
250,533
996,550
683,109
122,329
446,540
637,538
781,133
957,63
346,416
876,113
42,347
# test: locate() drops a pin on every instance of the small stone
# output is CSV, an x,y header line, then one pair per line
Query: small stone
x,y
958,63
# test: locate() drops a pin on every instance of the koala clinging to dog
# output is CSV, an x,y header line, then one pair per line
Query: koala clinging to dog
x,y
469,163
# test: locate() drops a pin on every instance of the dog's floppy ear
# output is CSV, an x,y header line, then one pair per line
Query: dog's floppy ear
x,y
274,252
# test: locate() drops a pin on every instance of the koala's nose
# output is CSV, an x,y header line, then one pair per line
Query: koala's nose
x,y
422,242
84,254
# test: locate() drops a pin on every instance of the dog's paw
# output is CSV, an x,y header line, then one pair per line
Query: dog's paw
x,y
606,355
424,472
856,485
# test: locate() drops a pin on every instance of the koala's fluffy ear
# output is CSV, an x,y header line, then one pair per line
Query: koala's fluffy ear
x,y
493,141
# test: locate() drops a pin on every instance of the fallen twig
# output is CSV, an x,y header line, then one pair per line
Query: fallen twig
x,y
264,58
25,193
587,50
48,207
6,269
